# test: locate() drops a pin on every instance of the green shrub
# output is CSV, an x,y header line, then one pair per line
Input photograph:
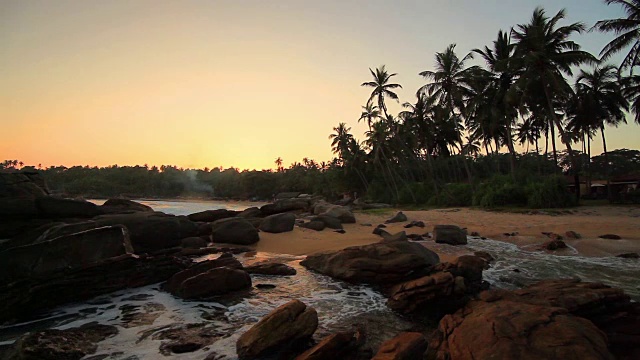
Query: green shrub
x,y
456,194
549,192
500,190
415,193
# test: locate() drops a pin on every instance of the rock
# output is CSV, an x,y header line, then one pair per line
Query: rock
x,y
342,213
18,193
67,252
151,232
552,235
255,222
225,260
194,242
340,231
449,234
488,258
401,236
475,233
554,245
610,237
329,221
278,223
381,232
63,229
419,224
285,205
399,217
212,215
332,347
271,269
57,208
316,225
265,286
321,207
234,231
381,226
405,346
185,338
379,263
252,212
415,237
514,330
68,344
572,235
113,206
370,206
630,255
216,281
291,322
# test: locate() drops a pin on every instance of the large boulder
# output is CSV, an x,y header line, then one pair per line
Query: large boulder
x,y
321,206
225,260
405,346
334,346
234,231
399,217
342,213
64,253
68,344
194,242
285,205
449,234
316,225
152,231
212,215
380,263
217,281
18,193
252,212
58,208
291,322
271,269
278,223
329,221
113,206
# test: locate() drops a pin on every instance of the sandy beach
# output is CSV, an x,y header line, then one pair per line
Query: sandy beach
x,y
589,222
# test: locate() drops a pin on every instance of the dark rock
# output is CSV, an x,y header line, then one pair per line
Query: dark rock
x,y
340,231
399,217
552,235
630,255
379,231
225,260
152,231
265,286
341,213
485,256
321,207
212,215
113,206
401,236
475,233
216,281
204,229
194,242
186,338
415,237
316,225
271,269
252,212
69,344
64,253
332,347
278,223
18,193
572,235
365,224
381,226
57,208
515,233
610,237
419,224
291,322
285,205
405,346
449,234
234,231
329,221
554,245
379,263
255,221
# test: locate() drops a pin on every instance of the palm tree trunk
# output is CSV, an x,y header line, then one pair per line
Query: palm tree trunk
x,y
553,144
606,160
512,150
589,164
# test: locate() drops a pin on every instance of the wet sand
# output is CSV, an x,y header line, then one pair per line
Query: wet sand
x,y
590,222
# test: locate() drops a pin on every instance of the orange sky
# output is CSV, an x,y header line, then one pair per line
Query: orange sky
x,y
222,83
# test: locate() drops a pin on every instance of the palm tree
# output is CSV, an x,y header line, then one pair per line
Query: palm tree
x,y
278,163
381,88
627,32
341,140
369,113
546,54
599,101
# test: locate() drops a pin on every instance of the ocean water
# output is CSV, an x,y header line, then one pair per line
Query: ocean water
x,y
144,314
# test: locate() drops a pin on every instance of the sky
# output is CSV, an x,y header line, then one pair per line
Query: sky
x,y
228,82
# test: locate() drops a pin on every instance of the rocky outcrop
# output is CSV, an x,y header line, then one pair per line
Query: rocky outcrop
x,y
216,281
234,231
271,269
151,232
405,346
18,191
224,260
334,346
278,223
380,263
341,213
560,318
212,215
285,205
400,236
68,344
449,234
113,206
291,322
193,242
58,208
399,217
252,212
316,225
329,221
64,253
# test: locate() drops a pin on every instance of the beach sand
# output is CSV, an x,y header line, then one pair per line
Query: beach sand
x,y
590,222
